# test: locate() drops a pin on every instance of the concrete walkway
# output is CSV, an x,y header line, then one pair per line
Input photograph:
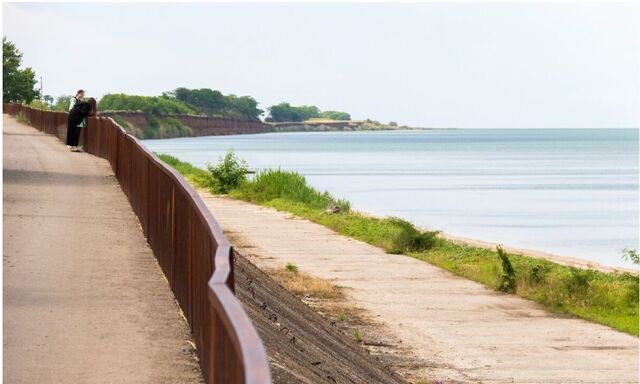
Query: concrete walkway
x,y
84,300
459,329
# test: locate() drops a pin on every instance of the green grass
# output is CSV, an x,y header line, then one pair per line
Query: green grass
x,y
194,175
163,127
290,186
357,336
606,298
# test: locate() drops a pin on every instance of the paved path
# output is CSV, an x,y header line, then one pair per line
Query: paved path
x,y
461,330
84,300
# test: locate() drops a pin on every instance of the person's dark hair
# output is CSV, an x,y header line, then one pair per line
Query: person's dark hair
x,y
93,105
80,91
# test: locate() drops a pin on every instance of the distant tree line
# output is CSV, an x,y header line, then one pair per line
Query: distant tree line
x,y
211,102
155,105
19,87
185,101
287,112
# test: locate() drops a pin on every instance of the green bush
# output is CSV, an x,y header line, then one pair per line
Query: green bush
x,y
508,275
198,177
121,122
579,280
290,267
229,173
277,184
409,238
40,105
62,103
537,273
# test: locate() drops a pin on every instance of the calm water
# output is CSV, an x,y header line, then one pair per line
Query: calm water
x,y
572,192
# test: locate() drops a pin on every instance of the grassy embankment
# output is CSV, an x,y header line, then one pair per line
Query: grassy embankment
x,y
606,298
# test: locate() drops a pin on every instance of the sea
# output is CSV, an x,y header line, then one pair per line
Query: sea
x,y
570,192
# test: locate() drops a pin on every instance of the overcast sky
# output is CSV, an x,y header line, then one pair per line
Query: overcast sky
x,y
432,64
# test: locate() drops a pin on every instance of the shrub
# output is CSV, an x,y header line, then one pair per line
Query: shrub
x,y
229,173
537,273
172,127
357,337
409,238
39,104
290,267
122,122
272,184
508,275
195,175
579,280
633,290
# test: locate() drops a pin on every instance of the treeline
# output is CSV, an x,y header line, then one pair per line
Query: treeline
x,y
156,105
287,112
19,86
185,101
211,102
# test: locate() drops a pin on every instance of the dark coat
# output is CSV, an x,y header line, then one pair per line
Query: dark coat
x,y
80,111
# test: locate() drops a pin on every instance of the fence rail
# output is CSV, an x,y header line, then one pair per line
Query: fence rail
x,y
191,249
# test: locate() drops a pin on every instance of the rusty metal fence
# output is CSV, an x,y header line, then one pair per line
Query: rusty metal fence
x,y
191,249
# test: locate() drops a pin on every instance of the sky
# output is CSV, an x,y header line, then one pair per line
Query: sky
x,y
465,65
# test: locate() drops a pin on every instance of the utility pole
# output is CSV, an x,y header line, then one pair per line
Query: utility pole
x,y
41,104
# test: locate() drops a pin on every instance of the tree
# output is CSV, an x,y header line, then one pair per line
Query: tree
x,y
335,115
287,112
243,107
62,103
214,103
155,105
18,84
208,101
49,100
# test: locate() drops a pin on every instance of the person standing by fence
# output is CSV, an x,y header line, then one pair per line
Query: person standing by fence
x,y
79,110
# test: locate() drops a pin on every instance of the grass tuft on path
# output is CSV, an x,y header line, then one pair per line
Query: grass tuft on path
x,y
606,298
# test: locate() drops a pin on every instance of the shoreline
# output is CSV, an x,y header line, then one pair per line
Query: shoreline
x,y
599,294
569,261
453,317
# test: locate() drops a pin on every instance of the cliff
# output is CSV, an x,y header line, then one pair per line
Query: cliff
x,y
140,125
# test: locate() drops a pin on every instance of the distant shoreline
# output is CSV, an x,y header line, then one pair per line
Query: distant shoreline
x,y
563,260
